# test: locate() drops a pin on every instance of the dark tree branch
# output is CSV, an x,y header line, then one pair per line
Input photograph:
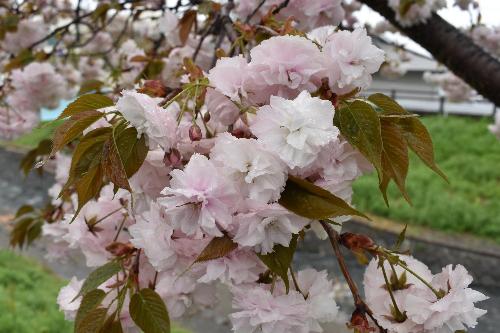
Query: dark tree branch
x,y
454,49
280,7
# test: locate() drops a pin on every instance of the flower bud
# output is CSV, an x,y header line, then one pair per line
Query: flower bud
x,y
356,242
119,249
359,322
195,133
206,117
172,158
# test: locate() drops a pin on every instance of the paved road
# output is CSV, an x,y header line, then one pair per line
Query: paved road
x,y
15,190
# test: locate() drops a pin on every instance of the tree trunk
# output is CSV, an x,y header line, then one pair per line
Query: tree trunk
x,y
454,49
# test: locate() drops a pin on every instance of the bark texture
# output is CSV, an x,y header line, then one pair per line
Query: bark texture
x,y
454,49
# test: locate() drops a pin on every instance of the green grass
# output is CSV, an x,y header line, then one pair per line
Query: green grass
x,y
470,157
28,297
28,293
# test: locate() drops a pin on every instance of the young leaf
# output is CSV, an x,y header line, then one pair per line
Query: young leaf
x,y
186,24
23,58
360,125
30,159
88,152
280,259
149,312
414,132
92,322
217,248
124,155
89,86
90,301
73,127
313,202
86,103
98,277
112,325
88,187
395,161
401,238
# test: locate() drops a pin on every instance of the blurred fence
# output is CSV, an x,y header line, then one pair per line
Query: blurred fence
x,y
430,101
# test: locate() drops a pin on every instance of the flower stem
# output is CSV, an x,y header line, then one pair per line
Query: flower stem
x,y
400,317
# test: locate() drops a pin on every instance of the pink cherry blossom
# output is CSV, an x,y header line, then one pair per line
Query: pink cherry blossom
x,y
228,76
200,198
284,66
37,85
220,108
267,225
259,311
260,175
144,113
239,266
153,233
352,58
296,129
66,301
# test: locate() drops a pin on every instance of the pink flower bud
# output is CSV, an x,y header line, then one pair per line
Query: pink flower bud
x,y
172,158
195,133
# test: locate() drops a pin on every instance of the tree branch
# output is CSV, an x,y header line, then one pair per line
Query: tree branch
x,y
358,301
451,47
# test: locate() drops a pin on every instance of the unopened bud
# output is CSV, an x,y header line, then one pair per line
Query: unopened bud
x,y
119,249
356,242
172,158
359,322
154,88
206,117
195,133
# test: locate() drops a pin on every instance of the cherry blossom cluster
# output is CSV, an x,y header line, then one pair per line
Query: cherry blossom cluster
x,y
410,13
451,86
418,301
227,124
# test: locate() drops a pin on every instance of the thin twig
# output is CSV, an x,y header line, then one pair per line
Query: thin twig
x,y
281,6
255,11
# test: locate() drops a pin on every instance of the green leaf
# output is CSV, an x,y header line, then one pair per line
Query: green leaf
x,y
100,12
401,238
89,86
23,58
73,127
124,154
152,69
98,277
414,132
93,321
25,209
217,248
405,5
88,152
149,312
280,259
86,103
360,125
313,202
33,156
90,301
88,187
112,325
395,161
